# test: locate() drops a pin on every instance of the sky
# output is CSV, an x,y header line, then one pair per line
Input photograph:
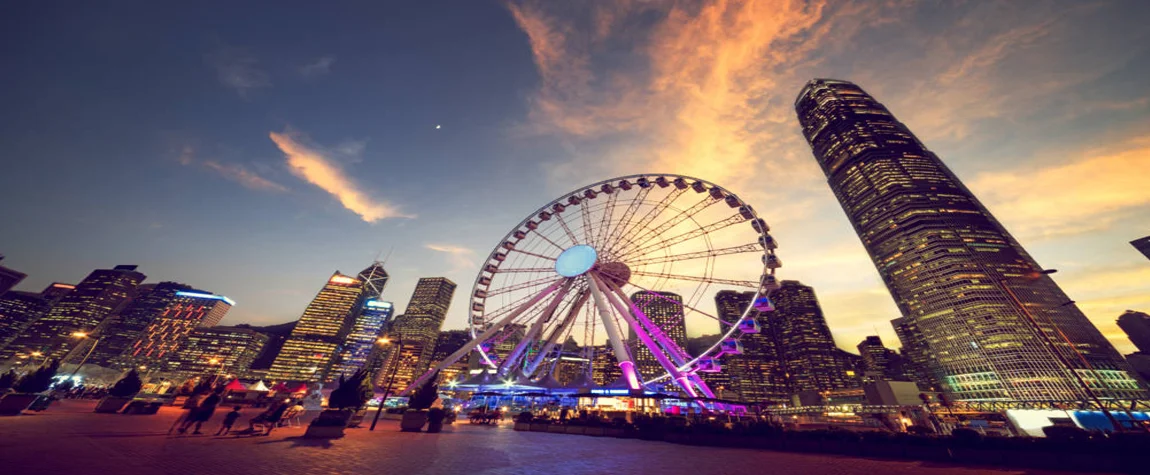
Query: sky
x,y
253,148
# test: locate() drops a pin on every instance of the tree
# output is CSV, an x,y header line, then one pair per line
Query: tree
x,y
352,392
127,386
7,380
426,395
39,380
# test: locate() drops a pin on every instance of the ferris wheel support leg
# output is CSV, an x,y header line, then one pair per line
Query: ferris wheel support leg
x,y
677,354
557,333
625,364
529,337
641,332
460,353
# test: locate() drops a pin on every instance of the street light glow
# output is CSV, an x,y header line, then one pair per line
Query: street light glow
x,y
80,334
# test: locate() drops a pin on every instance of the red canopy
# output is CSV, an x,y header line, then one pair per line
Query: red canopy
x,y
236,385
280,387
302,388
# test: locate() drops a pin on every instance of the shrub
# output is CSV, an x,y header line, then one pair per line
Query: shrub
x,y
966,437
7,380
38,381
524,416
127,386
352,392
426,395
1065,433
436,415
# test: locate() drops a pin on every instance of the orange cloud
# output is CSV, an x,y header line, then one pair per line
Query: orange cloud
x,y
314,167
243,176
461,258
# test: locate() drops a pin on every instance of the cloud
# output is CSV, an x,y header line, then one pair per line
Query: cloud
x,y
238,70
319,67
1086,194
315,166
239,174
461,258
231,171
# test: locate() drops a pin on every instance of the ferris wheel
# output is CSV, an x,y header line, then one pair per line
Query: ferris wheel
x,y
628,264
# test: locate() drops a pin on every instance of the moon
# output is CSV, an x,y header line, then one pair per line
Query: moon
x,y
437,126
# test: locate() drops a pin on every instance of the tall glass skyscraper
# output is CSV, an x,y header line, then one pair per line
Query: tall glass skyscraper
x,y
758,374
418,330
362,348
176,313
664,309
804,339
310,351
967,290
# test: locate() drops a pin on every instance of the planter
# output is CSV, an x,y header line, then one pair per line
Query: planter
x,y
523,426
434,427
142,408
613,432
111,404
329,425
595,431
539,427
15,403
323,432
557,429
41,403
413,421
575,430
357,418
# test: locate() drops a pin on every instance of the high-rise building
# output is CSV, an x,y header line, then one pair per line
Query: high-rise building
x,y
604,367
9,277
757,375
217,351
374,279
18,310
1137,328
100,294
417,331
182,311
448,342
970,292
119,332
56,292
805,343
277,335
310,351
362,348
1142,245
665,310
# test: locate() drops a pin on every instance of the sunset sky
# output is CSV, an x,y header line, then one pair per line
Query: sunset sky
x,y
252,148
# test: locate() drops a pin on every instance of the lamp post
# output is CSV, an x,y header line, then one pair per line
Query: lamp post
x,y
1054,349
82,336
390,379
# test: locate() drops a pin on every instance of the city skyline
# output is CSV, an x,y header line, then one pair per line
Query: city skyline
x,y
1042,126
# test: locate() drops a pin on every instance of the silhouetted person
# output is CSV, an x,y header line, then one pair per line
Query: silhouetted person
x,y
229,420
201,414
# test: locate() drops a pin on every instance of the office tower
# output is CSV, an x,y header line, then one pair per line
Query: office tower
x,y
310,351
18,310
805,343
184,311
758,374
118,333
448,342
880,362
972,293
56,292
665,310
374,279
9,277
277,335
100,294
1137,328
604,366
416,331
362,347
1142,245
217,351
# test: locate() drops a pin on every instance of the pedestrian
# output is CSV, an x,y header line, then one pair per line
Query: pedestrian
x,y
202,414
191,404
229,419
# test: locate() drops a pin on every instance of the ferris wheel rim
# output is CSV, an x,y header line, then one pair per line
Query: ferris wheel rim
x,y
691,364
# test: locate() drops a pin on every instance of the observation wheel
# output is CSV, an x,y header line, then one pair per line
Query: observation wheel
x,y
620,271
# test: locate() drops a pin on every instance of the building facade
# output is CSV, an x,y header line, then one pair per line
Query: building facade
x,y
56,292
665,310
416,331
179,312
362,347
806,347
759,374
217,351
9,278
976,301
18,311
448,342
1137,328
100,294
1142,245
315,342
120,331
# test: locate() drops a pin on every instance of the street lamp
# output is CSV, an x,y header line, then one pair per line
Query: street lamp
x,y
391,379
1054,349
83,336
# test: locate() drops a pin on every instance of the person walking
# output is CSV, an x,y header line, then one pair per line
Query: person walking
x,y
229,420
202,414
191,405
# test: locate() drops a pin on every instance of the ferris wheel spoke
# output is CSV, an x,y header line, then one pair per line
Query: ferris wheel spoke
x,y
691,278
692,234
525,270
549,241
673,221
745,248
585,214
605,221
646,219
524,285
628,215
529,253
567,229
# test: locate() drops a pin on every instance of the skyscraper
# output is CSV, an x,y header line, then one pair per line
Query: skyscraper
x,y
119,332
100,294
56,292
1142,245
362,348
1137,328
374,279
18,310
9,277
310,351
448,342
805,343
665,310
175,313
758,374
216,350
417,329
967,290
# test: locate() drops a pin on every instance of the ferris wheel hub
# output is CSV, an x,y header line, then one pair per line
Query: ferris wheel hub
x,y
576,260
617,273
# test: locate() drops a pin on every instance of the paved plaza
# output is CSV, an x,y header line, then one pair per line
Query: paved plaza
x,y
70,439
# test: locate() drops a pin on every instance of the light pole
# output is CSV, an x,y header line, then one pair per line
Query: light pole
x,y
82,336
391,379
1054,349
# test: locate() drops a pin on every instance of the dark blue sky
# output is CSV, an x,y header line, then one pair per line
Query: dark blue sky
x,y
138,133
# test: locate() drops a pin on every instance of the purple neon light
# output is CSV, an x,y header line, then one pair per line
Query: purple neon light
x,y
629,372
